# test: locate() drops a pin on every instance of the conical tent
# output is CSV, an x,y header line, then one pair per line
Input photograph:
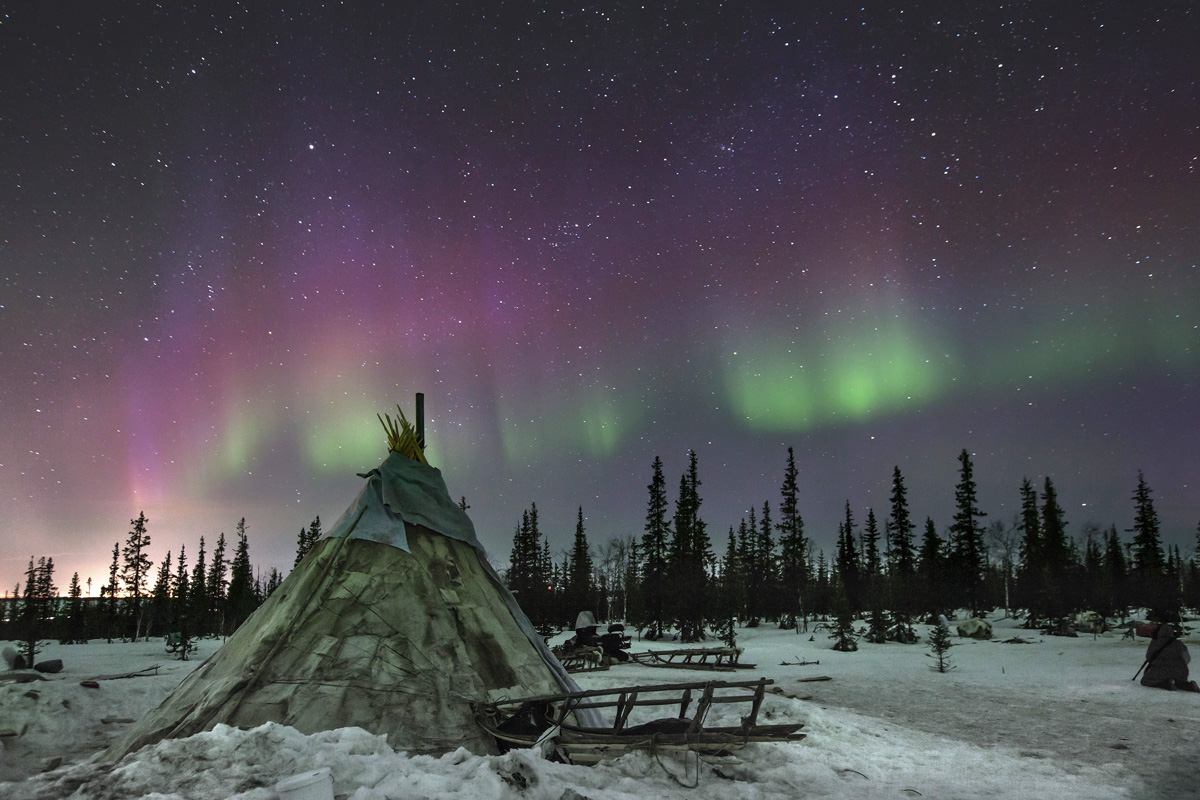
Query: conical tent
x,y
395,623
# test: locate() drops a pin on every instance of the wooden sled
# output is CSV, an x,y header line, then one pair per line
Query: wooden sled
x,y
581,659
720,659
525,722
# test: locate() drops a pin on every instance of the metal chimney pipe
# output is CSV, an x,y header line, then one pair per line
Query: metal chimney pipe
x,y
421,419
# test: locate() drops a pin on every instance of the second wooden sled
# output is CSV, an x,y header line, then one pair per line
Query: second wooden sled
x,y
526,721
719,659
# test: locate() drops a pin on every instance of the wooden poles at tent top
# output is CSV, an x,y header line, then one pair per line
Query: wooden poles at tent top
x,y
402,437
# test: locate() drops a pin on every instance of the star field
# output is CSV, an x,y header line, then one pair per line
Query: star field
x,y
230,234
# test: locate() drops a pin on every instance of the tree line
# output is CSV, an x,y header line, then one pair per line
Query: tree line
x,y
208,596
888,568
893,571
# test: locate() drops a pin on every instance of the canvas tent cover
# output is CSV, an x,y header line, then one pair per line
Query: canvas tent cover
x,y
395,622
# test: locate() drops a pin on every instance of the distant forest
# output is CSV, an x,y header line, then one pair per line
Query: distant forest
x,y
892,571
672,580
211,597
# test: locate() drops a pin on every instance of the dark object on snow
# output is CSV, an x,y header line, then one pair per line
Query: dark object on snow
x,y
1167,662
50,666
90,684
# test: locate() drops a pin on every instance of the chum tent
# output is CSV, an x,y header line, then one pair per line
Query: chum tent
x,y
394,622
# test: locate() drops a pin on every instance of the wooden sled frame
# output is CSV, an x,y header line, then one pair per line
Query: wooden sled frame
x,y
719,659
582,659
526,721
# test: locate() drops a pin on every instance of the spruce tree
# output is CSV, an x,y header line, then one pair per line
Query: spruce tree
x,y
877,622
729,589
902,591
580,590
216,586
966,539
550,581
519,575
1056,559
183,609
654,554
688,557
871,561
273,581
241,601
768,580
30,619
198,597
1148,567
160,599
113,624
939,648
135,570
631,581
752,566
307,540
529,568
822,594
39,606
793,563
845,639
1173,591
902,556
1115,572
76,631
931,571
849,566
1031,572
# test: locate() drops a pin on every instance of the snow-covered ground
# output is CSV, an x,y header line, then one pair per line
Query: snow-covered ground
x,y
1054,718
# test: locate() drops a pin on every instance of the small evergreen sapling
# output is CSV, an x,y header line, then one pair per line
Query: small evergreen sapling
x,y
901,629
877,632
843,626
939,648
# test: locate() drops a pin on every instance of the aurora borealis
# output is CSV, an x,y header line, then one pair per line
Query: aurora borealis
x,y
230,234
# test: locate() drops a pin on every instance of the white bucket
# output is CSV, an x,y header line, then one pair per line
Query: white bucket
x,y
315,785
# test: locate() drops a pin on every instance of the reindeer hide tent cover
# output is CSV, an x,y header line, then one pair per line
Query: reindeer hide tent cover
x,y
394,622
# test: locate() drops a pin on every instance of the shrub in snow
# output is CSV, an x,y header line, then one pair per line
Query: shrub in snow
x,y
843,626
877,632
901,629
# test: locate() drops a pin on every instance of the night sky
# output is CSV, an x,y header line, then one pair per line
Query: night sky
x,y
591,234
